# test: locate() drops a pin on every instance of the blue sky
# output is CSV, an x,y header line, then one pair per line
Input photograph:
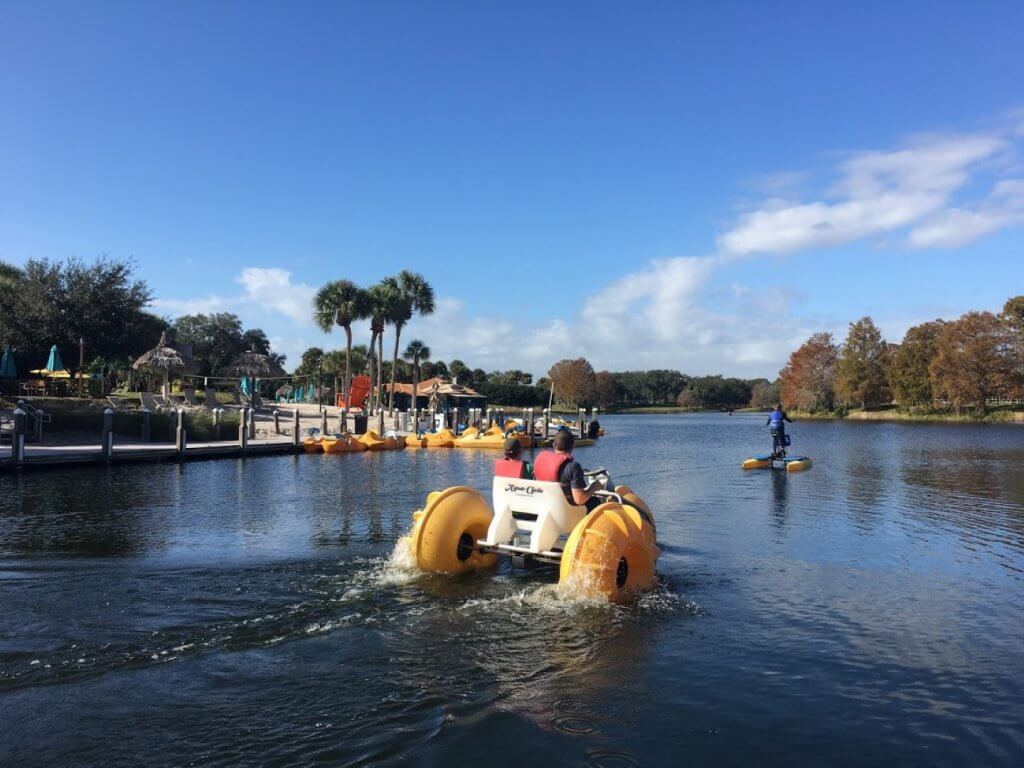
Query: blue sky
x,y
695,186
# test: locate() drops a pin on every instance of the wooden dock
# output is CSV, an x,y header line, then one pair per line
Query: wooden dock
x,y
62,455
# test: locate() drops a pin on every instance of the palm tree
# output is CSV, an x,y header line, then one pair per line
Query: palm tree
x,y
415,296
416,353
341,303
383,298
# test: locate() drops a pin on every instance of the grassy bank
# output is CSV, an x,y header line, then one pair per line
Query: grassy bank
x,y
1003,414
85,417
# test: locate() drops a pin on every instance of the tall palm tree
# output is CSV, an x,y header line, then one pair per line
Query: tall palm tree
x,y
416,296
383,298
341,303
416,353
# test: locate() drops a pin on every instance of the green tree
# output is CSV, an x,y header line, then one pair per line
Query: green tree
x,y
1013,319
461,373
59,302
764,394
416,353
341,303
909,366
414,296
383,307
216,339
861,367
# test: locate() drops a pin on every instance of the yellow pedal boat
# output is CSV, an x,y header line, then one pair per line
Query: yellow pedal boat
x,y
493,438
443,439
375,442
342,444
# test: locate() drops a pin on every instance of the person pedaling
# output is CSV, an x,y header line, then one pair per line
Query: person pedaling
x,y
559,466
777,428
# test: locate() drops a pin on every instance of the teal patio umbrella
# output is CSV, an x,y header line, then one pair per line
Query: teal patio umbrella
x,y
7,367
54,363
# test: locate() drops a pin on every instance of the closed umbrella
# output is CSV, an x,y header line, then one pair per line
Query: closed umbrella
x,y
54,363
54,366
7,367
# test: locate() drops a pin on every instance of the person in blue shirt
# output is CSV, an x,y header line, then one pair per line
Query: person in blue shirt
x,y
777,426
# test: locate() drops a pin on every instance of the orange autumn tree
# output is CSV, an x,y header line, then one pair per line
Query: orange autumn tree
x,y
974,361
807,383
574,381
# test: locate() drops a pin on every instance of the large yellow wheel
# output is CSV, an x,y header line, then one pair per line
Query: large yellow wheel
x,y
630,498
610,553
446,530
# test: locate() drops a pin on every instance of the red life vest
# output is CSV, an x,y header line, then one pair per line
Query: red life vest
x,y
509,468
549,466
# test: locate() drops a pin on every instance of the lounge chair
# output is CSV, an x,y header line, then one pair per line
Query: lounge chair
x,y
117,404
190,399
358,390
211,398
165,403
149,402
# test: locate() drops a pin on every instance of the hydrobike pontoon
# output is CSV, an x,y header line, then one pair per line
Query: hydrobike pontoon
x,y
609,552
778,459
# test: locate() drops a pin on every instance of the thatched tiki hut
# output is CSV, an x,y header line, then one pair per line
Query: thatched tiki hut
x,y
255,365
163,359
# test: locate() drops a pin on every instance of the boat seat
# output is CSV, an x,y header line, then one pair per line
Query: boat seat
x,y
531,516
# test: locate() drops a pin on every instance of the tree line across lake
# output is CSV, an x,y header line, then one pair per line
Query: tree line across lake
x,y
963,364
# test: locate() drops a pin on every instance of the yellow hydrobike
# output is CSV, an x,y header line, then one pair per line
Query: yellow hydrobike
x,y
608,553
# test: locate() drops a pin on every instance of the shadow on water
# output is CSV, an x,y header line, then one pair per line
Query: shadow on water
x,y
262,611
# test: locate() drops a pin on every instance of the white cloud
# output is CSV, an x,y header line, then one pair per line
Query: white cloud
x,y
265,289
673,312
955,227
876,193
273,289
203,305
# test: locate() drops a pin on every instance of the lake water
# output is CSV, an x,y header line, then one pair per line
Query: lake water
x,y
868,611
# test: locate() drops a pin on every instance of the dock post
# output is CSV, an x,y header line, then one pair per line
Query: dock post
x,y
343,418
180,436
277,422
547,419
243,431
583,422
380,422
216,414
433,420
323,423
295,428
146,425
108,435
252,423
18,439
